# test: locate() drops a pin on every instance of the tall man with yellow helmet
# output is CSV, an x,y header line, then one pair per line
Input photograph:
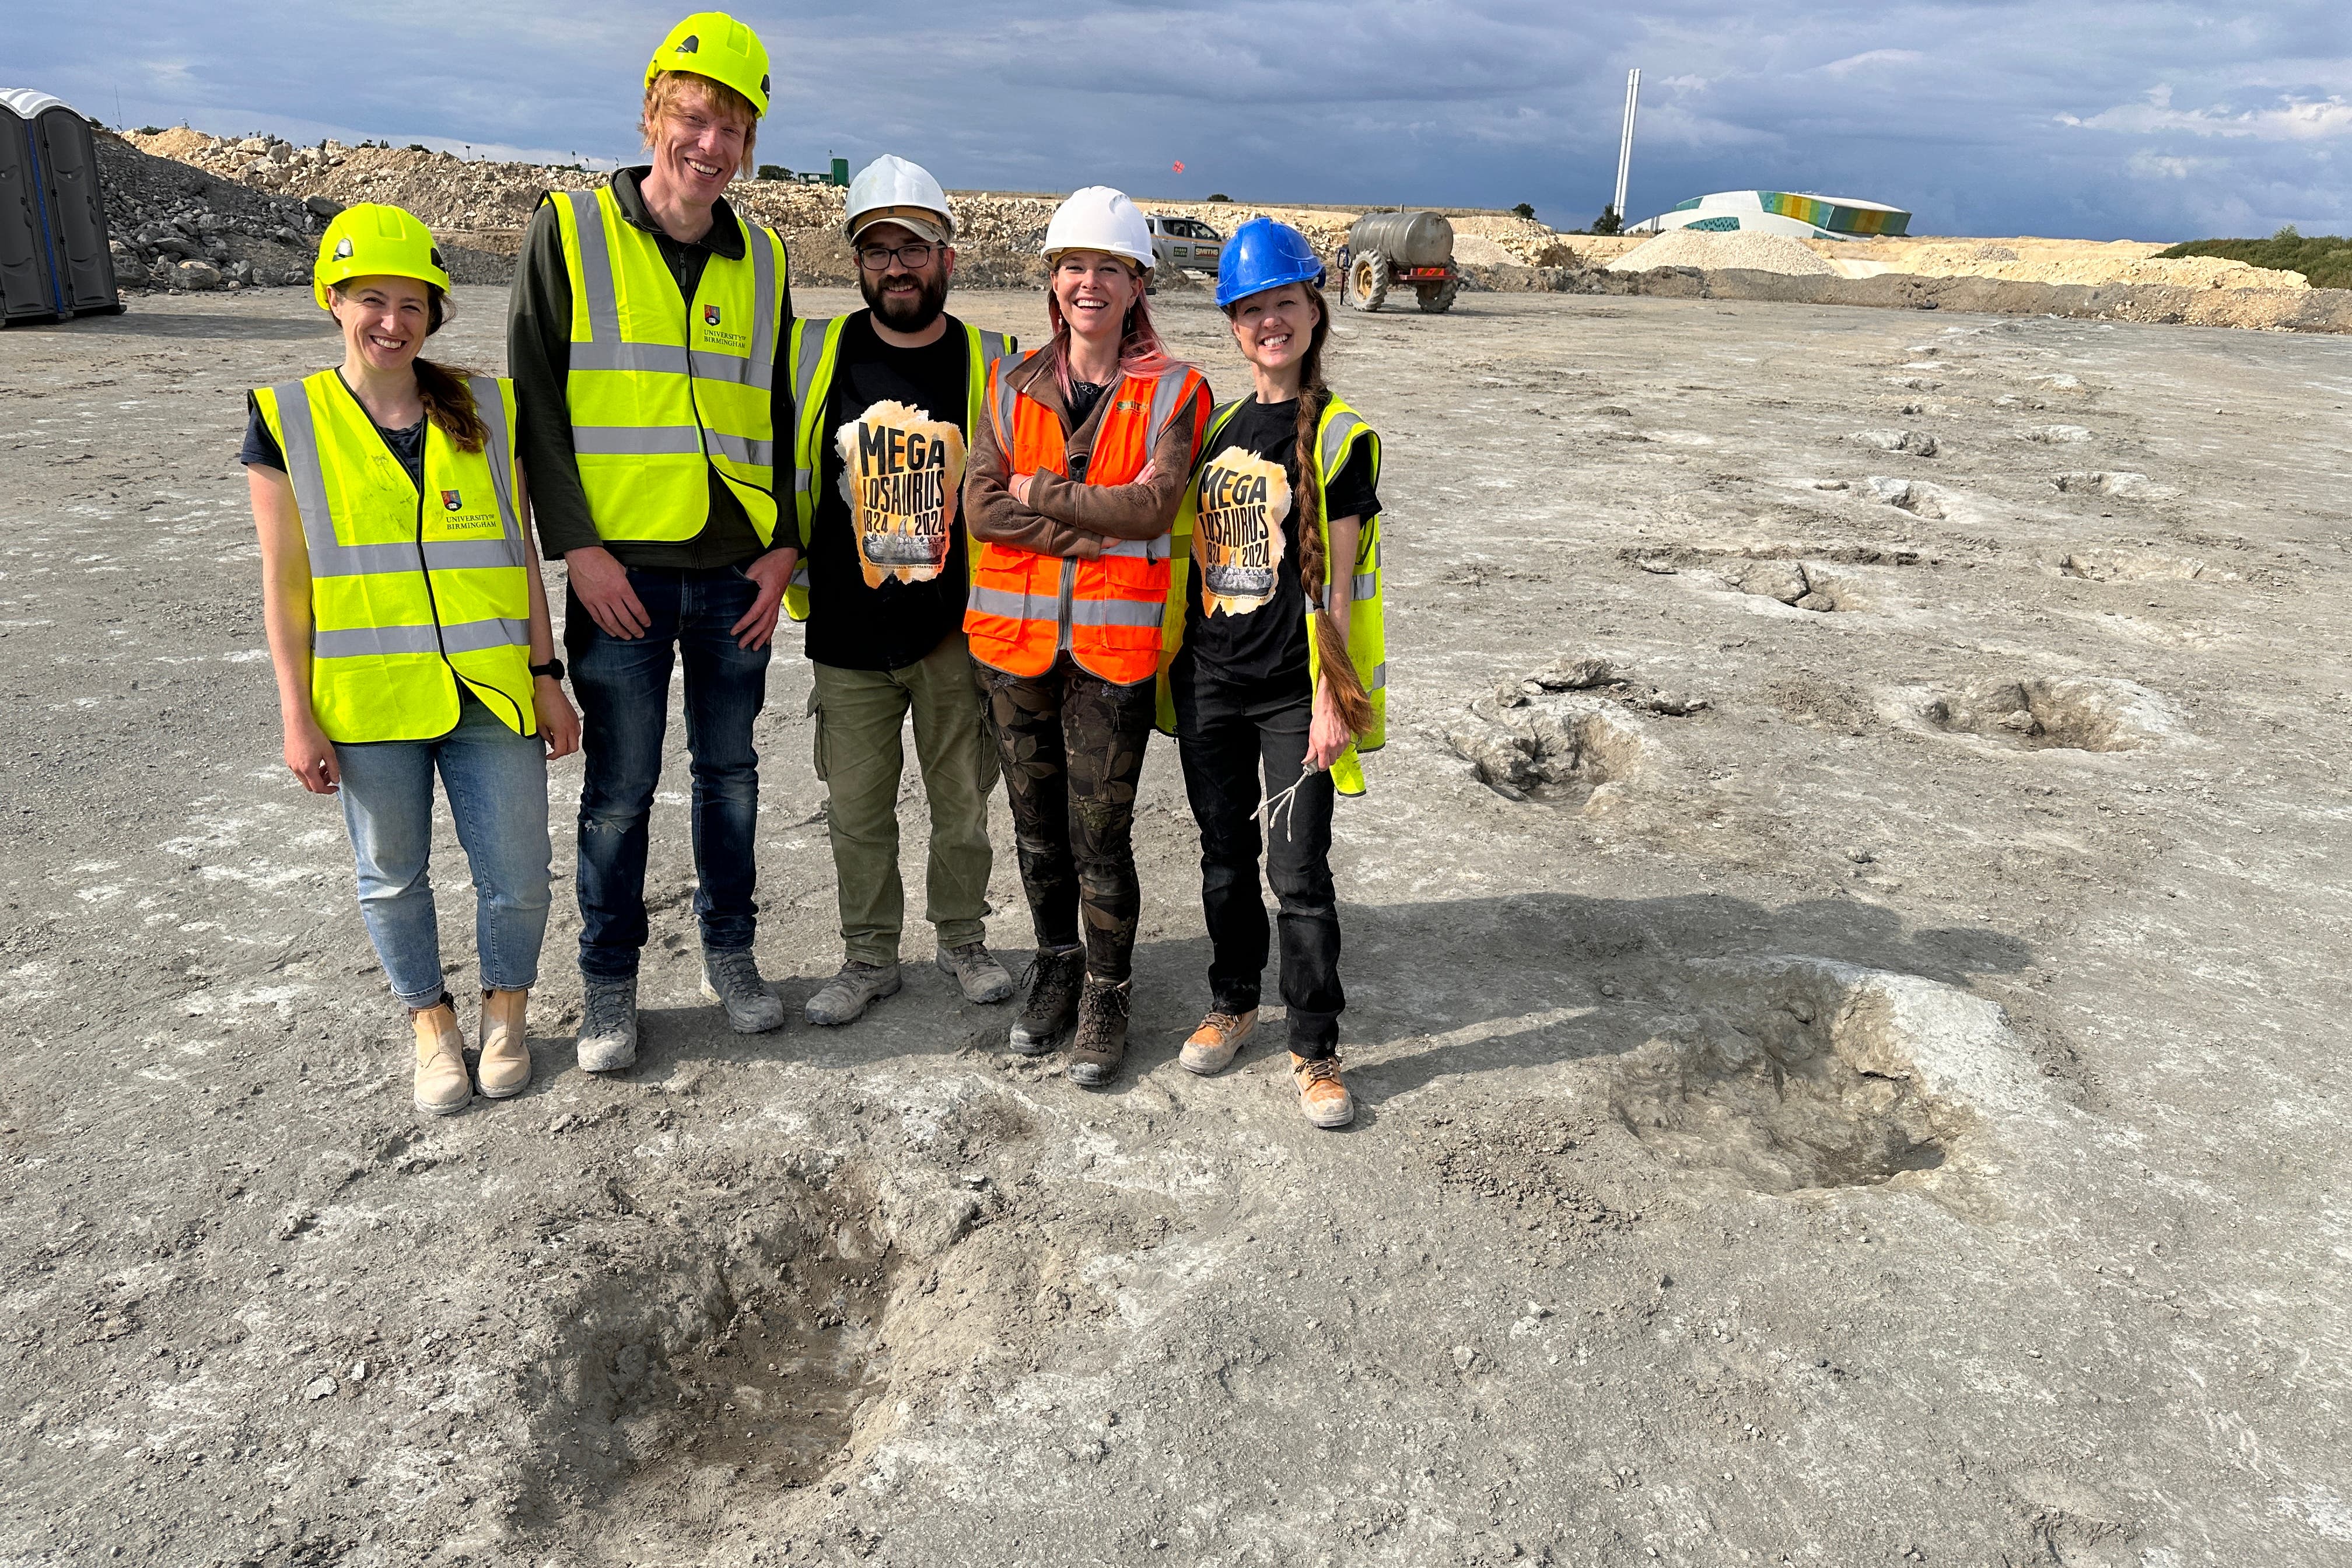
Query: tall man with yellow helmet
x,y
646,341
886,399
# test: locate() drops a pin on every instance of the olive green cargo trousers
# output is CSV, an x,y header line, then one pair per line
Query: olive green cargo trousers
x,y
859,715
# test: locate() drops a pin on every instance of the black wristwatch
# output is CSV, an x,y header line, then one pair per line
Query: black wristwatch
x,y
553,667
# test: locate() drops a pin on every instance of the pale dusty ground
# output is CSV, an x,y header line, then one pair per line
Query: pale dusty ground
x,y
1891,1113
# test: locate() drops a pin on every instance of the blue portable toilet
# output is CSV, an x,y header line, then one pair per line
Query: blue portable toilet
x,y
54,257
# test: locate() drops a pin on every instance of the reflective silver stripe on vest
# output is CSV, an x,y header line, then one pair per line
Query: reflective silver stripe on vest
x,y
1117,612
636,440
473,637
1000,601
759,369
992,347
1140,549
744,449
1083,612
659,359
1006,396
360,641
498,453
464,637
1335,437
301,449
1380,677
1165,395
813,342
595,269
444,555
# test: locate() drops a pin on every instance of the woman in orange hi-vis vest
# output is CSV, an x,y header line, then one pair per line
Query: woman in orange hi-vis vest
x,y
1075,479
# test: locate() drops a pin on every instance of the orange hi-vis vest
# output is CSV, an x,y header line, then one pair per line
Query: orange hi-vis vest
x,y
1025,608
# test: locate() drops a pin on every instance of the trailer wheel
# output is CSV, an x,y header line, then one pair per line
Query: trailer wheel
x,y
1436,299
1368,282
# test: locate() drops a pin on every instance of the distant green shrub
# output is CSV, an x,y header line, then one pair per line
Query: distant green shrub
x,y
2325,259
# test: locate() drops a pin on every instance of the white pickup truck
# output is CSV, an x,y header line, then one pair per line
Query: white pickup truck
x,y
1184,242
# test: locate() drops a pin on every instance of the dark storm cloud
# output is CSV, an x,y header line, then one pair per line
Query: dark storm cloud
x,y
2064,118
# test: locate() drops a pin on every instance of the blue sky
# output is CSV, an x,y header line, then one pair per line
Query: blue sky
x,y
2059,116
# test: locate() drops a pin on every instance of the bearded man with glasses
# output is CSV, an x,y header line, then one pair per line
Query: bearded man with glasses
x,y
886,400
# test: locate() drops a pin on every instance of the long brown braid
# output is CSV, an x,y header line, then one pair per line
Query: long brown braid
x,y
1339,670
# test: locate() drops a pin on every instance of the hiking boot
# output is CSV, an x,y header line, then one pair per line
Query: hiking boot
x,y
1053,1005
977,973
1321,1095
503,1069
732,979
608,1024
1213,1044
845,997
1101,1043
443,1088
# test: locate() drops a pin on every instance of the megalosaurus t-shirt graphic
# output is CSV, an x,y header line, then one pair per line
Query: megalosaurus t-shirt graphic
x,y
1237,538
900,472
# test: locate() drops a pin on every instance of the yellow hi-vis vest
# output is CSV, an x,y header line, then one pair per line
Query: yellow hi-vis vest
x,y
1335,436
660,391
411,590
814,354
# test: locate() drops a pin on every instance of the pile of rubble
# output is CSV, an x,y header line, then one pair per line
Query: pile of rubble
x,y
177,226
478,209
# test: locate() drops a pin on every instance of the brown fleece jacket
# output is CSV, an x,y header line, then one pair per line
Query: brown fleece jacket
x,y
1067,519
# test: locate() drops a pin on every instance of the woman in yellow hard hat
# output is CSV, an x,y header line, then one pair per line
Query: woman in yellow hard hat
x,y
410,634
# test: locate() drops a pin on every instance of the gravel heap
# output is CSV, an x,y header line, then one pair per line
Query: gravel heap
x,y
446,191
479,206
181,227
1710,252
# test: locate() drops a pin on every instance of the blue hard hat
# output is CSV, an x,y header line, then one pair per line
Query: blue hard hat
x,y
1262,255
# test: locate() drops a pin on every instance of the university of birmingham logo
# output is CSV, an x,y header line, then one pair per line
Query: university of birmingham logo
x,y
452,501
710,315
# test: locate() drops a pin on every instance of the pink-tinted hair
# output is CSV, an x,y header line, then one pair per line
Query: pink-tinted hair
x,y
1140,351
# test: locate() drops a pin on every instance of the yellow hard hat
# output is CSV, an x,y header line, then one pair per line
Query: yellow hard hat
x,y
373,239
714,44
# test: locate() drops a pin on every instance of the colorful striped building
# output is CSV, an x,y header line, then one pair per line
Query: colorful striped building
x,y
1797,213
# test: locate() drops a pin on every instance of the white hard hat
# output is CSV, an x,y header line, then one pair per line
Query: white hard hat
x,y
1100,218
892,190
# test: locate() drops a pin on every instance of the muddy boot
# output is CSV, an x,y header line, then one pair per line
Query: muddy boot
x,y
976,972
732,979
503,1069
1053,1003
1321,1096
1101,1043
608,1024
844,998
442,1089
1213,1044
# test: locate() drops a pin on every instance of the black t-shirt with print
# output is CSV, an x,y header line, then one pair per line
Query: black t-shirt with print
x,y
1257,636
900,619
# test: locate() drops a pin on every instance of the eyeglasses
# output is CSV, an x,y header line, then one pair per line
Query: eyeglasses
x,y
877,257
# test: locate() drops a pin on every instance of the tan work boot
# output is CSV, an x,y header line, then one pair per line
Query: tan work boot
x,y
1321,1095
442,1087
503,1069
1213,1044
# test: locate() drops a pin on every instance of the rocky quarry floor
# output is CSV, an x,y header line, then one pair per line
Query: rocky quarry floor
x,y
1844,949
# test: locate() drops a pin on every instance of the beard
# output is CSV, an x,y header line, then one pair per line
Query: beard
x,y
905,317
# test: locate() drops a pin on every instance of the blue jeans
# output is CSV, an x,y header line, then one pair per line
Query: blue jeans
x,y
623,684
496,784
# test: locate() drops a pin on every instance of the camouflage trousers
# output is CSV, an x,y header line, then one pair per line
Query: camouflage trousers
x,y
1072,747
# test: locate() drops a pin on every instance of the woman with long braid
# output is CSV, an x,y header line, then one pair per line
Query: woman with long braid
x,y
1280,665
